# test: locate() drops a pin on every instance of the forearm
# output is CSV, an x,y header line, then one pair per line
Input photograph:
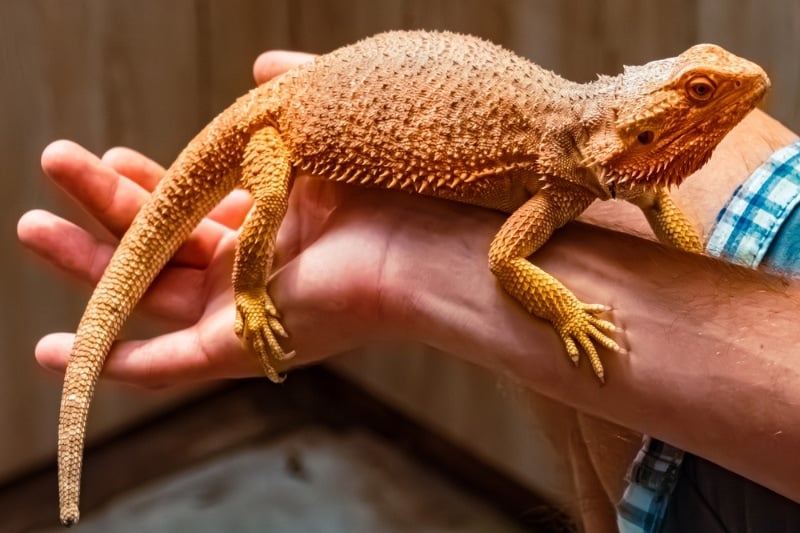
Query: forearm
x,y
710,345
711,365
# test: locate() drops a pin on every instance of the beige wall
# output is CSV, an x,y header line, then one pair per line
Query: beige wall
x,y
148,74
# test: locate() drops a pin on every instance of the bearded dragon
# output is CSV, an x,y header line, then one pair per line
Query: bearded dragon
x,y
439,114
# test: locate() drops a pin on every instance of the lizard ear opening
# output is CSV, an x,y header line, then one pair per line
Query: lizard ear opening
x,y
646,137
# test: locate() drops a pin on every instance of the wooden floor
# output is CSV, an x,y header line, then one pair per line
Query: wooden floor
x,y
251,413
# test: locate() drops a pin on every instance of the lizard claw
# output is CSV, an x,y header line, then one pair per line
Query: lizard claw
x,y
258,326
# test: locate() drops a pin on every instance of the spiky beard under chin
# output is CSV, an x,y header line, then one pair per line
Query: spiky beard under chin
x,y
663,172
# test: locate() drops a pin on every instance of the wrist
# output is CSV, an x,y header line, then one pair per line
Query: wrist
x,y
437,288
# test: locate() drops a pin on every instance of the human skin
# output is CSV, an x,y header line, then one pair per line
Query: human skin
x,y
709,368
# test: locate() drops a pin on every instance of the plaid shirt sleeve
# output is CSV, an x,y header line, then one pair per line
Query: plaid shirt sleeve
x,y
753,228
750,223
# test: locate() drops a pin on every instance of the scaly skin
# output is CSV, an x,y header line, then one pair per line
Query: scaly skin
x,y
439,114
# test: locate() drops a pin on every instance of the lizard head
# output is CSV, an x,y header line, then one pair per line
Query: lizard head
x,y
671,114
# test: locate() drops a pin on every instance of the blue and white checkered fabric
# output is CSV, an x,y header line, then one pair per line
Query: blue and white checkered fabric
x,y
651,478
744,232
749,223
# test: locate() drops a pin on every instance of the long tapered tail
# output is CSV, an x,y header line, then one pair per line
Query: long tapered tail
x,y
196,182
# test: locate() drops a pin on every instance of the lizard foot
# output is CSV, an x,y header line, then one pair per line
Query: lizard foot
x,y
581,327
258,326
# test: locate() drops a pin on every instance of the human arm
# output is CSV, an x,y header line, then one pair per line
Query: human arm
x,y
735,329
353,274
611,446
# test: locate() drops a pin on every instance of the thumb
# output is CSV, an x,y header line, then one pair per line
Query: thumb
x,y
52,351
270,64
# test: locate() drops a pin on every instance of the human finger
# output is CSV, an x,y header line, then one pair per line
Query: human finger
x,y
134,165
111,199
114,200
143,362
176,294
63,244
274,62
233,209
142,170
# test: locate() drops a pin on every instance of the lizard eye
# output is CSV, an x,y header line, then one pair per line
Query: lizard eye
x,y
700,88
646,137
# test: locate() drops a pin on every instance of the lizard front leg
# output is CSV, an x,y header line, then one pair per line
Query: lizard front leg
x,y
526,230
668,222
266,173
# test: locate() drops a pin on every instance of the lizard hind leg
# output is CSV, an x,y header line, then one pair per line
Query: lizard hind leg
x,y
266,174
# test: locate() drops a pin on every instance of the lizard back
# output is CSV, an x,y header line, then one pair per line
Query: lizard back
x,y
447,115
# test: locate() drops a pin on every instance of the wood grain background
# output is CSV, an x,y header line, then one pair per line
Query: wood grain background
x,y
149,74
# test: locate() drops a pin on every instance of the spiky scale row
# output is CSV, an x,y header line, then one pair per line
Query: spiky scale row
x,y
441,114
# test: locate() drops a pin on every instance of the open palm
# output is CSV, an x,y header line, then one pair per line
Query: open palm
x,y
328,262
193,295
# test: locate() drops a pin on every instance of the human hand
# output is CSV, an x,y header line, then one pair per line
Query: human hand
x,y
193,294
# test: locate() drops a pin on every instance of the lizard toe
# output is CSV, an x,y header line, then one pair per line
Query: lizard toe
x,y
594,309
259,330
276,327
572,349
603,325
588,346
584,332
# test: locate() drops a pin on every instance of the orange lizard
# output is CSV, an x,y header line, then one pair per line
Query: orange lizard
x,y
439,114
